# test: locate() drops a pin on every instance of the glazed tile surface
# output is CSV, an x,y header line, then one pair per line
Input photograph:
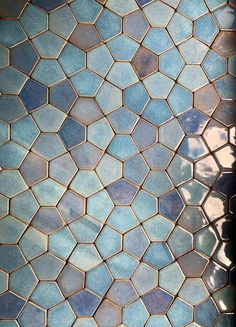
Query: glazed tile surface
x,y
117,163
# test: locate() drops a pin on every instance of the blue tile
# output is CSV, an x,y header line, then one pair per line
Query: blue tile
x,y
24,57
108,24
171,211
48,6
157,40
84,303
32,316
158,255
34,95
11,33
136,97
157,301
10,305
72,133
193,121
62,96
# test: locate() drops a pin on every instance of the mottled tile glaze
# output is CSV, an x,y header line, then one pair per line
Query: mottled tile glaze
x,y
117,161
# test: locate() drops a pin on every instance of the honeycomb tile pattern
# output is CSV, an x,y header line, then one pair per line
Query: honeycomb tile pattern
x,y
117,161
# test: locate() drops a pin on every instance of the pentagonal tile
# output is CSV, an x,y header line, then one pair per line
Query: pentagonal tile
x,y
47,266
171,63
61,314
100,133
180,241
81,108
180,312
204,34
107,92
145,62
13,80
62,243
62,22
157,301
157,183
11,251
84,303
158,228
93,279
144,205
171,278
108,24
122,219
188,264
108,242
108,313
24,131
48,192
86,183
122,265
180,170
122,192
85,229
11,155
180,34
11,183
135,25
135,313
165,85
100,60
72,59
192,77
136,169
164,257
72,133
193,12
33,243
86,83
48,44
223,43
171,134
122,147
158,157
122,75
86,156
11,230
28,171
205,241
193,192
86,11
23,281
70,280
85,257
122,8
135,97
48,72
41,298
211,310
6,301
33,95
193,51
48,6
144,134
109,169
122,120
12,10
47,220
48,146
136,242
157,40
193,121
85,37
193,291
4,61
215,135
11,33
193,148
100,205
145,278
158,14
225,86
122,293
215,276
192,219
24,57
63,95
122,48
180,99
225,17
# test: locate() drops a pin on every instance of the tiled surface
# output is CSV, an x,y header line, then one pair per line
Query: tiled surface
x,y
117,156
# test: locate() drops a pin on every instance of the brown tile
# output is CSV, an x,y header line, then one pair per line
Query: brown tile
x,y
33,169
193,264
108,314
135,25
225,43
206,99
85,37
145,62
11,8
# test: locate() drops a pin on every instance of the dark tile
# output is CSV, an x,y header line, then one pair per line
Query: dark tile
x,y
24,57
143,2
206,313
224,183
33,95
215,276
157,301
85,37
63,96
11,8
145,62
72,133
48,5
171,205
226,228
122,192
10,305
226,113
192,264
84,303
225,43
206,99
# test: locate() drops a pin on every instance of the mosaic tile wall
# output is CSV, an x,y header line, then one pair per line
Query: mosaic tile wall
x,y
117,155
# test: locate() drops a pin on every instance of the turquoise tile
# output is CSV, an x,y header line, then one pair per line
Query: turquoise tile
x,y
11,155
193,148
136,169
24,57
48,44
122,219
11,258
145,278
72,59
212,4
193,291
61,314
23,281
48,146
47,295
61,243
86,183
180,313
171,63
85,229
85,11
72,133
85,322
180,241
180,170
193,11
225,86
193,219
180,99
193,192
11,80
214,65
11,230
158,320
47,266
100,60
4,132
4,52
122,75
48,72
24,131
85,257
164,83
158,228
157,112
48,118
171,134
108,242
122,48
180,28
123,7
192,77
144,205
225,298
62,169
108,24
100,133
33,20
157,40
193,51
136,242
3,282
4,206
158,157
206,313
225,17
206,241
107,92
100,205
135,314
144,134
122,147
11,108
62,22
122,120
11,33
158,14
48,192
135,97
11,183
109,169
164,257
99,279
157,183
206,29
86,83
33,243
122,265
171,278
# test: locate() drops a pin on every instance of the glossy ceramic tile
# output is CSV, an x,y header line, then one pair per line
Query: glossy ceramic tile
x,y
117,161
